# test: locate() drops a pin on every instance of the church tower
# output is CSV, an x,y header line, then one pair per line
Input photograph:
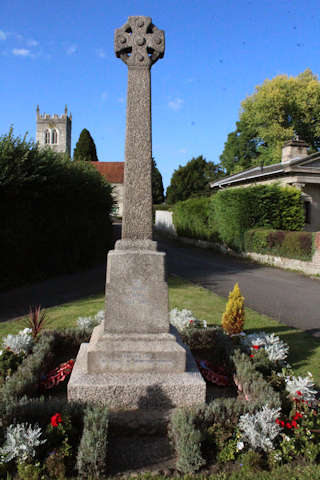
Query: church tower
x,y
54,131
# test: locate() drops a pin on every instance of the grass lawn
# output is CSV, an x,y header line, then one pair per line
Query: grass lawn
x,y
304,349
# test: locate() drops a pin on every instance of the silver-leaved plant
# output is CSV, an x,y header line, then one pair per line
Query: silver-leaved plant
x,y
276,349
20,343
20,442
90,322
182,319
301,387
260,429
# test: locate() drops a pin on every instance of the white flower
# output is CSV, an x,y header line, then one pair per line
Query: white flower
x,y
301,387
240,445
20,343
99,317
20,442
260,429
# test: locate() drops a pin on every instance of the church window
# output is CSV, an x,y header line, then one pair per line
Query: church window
x,y
47,136
54,137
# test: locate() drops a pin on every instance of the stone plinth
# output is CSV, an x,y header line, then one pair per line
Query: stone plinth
x,y
137,390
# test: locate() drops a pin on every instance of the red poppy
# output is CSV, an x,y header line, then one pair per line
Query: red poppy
x,y
288,425
278,421
282,423
256,347
298,393
56,419
251,356
294,424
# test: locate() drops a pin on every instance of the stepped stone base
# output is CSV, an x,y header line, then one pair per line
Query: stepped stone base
x,y
137,390
134,353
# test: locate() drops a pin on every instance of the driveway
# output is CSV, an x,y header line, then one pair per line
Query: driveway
x,y
291,298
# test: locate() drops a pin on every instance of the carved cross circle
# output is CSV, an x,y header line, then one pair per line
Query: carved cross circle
x,y
139,43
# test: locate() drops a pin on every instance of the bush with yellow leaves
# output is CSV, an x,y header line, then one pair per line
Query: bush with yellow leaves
x,y
233,317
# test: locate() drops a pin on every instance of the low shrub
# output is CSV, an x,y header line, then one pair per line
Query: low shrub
x,y
186,439
297,245
92,453
191,219
236,210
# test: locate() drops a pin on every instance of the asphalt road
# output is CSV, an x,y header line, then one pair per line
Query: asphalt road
x,y
291,298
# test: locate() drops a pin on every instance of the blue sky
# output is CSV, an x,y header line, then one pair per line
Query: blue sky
x,y
217,51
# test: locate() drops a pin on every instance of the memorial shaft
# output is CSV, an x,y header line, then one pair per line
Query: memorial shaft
x,y
139,44
137,216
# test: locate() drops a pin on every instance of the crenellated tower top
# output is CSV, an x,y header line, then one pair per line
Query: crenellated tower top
x,y
54,131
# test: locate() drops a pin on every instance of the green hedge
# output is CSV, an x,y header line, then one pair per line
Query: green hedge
x,y
191,219
298,245
54,213
236,210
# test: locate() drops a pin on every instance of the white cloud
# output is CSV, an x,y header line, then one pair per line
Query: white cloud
x,y
32,43
3,36
71,49
182,150
104,96
175,104
101,53
22,52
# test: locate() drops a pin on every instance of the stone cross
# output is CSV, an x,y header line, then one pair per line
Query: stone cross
x,y
139,44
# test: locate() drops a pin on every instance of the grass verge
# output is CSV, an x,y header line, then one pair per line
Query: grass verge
x,y
304,349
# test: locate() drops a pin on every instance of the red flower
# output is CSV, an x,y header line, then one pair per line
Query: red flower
x,y
288,425
278,421
294,424
256,347
297,416
56,419
282,423
251,356
298,393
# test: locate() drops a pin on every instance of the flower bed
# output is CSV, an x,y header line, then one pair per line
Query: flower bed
x,y
272,420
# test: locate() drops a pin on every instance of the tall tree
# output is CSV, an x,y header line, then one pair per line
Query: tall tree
x,y
157,185
278,109
85,148
192,180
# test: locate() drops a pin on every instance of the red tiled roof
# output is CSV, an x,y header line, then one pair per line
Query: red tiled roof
x,y
111,171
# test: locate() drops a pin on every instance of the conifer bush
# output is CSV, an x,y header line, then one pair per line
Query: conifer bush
x,y
233,317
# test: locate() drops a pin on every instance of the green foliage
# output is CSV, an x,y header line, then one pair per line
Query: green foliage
x,y
186,440
278,109
54,214
9,362
157,185
191,219
298,245
29,471
85,148
92,453
236,210
191,180
251,384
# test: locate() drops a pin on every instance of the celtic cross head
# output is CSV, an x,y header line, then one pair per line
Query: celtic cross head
x,y
139,43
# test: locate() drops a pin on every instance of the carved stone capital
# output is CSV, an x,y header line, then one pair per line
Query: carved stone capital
x,y
139,43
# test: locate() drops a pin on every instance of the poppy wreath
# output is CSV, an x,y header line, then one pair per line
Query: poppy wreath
x,y
216,375
57,375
